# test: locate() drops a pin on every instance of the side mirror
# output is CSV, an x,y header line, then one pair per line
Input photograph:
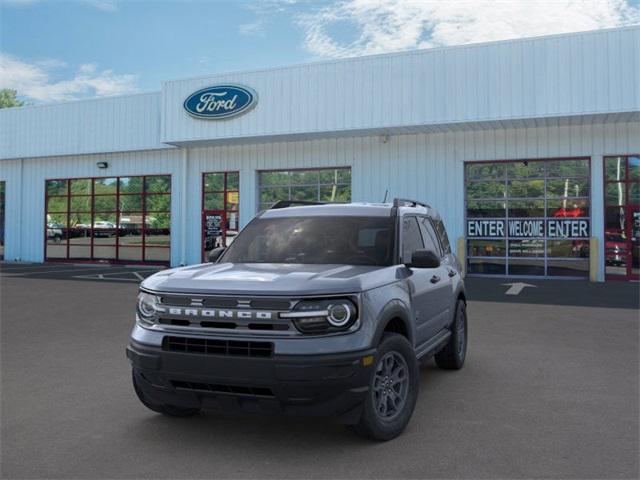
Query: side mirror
x,y
424,259
214,254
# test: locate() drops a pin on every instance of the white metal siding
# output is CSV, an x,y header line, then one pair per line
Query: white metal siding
x,y
424,166
428,167
115,124
25,209
558,76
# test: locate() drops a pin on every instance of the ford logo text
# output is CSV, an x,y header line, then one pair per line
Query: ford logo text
x,y
220,102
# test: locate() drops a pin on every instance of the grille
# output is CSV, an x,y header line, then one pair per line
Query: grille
x,y
208,346
264,325
270,304
225,302
210,302
231,389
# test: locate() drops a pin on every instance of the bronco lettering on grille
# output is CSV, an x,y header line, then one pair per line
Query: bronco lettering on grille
x,y
216,313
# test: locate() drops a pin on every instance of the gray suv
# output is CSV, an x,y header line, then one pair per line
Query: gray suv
x,y
314,309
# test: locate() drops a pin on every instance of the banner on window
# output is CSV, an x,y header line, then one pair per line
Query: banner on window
x,y
528,228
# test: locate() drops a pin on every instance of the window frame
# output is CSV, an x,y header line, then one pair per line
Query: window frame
x,y
260,187
3,215
225,211
627,207
401,219
117,234
506,178
435,237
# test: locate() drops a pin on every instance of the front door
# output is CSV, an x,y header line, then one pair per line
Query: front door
x,y
427,286
622,217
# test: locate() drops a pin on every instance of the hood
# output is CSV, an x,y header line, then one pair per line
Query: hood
x,y
270,279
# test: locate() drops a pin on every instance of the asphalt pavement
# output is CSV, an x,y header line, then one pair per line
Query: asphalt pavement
x,y
549,390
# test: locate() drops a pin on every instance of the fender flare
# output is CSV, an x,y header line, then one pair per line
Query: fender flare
x,y
394,309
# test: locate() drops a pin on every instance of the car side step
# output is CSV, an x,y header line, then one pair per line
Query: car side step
x,y
433,345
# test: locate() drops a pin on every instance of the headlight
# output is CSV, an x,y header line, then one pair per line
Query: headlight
x,y
323,316
147,307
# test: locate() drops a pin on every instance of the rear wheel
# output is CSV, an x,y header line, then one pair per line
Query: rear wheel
x,y
169,410
393,390
452,356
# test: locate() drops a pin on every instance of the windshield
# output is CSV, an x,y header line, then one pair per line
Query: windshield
x,y
315,240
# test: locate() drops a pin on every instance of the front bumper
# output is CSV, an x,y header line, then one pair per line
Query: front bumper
x,y
332,385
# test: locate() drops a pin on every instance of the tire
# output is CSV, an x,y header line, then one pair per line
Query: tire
x,y
452,356
374,423
168,410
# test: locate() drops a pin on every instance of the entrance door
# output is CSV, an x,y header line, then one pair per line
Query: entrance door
x,y
634,262
220,220
2,220
213,231
622,217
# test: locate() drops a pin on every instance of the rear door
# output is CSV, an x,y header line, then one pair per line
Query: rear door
x,y
422,288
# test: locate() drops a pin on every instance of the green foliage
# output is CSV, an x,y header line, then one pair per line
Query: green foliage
x,y
8,98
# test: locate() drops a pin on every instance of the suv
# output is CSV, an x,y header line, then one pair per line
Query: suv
x,y
322,309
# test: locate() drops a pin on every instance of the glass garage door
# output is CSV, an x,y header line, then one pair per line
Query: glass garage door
x,y
2,187
622,217
116,219
528,218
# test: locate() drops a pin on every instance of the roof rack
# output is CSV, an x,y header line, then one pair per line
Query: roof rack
x,y
403,202
294,203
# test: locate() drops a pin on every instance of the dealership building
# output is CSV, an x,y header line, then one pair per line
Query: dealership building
x,y
529,149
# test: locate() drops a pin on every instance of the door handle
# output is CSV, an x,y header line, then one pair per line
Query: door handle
x,y
435,279
452,273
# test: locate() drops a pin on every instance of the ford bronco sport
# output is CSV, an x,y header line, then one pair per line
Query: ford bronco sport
x,y
322,309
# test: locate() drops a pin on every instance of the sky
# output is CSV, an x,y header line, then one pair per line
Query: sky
x,y
55,50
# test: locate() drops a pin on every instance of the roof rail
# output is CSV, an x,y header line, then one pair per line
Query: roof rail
x,y
403,202
294,203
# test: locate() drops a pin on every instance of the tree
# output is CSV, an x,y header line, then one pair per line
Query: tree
x,y
8,98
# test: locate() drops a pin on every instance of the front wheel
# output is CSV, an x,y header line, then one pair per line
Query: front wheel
x,y
452,356
393,390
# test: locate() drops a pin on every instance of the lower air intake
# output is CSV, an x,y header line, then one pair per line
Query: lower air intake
x,y
230,389
208,346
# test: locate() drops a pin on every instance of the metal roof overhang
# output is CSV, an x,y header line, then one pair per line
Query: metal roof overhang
x,y
465,126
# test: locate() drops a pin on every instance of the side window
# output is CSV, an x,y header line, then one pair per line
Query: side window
x,y
444,239
429,235
411,238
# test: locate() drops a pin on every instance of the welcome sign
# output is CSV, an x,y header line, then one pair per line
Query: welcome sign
x,y
525,228
220,102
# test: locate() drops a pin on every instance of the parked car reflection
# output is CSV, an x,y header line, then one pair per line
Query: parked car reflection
x,y
615,248
54,232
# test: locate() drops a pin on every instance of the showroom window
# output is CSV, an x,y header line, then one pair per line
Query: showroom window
x,y
622,217
2,188
125,219
325,185
528,218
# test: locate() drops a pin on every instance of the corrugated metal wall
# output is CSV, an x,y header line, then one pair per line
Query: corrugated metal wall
x,y
585,73
25,210
423,166
115,124
588,74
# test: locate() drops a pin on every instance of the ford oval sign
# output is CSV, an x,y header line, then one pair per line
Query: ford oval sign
x,y
220,101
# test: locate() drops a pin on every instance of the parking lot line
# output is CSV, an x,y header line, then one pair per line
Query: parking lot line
x,y
112,276
110,279
25,272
